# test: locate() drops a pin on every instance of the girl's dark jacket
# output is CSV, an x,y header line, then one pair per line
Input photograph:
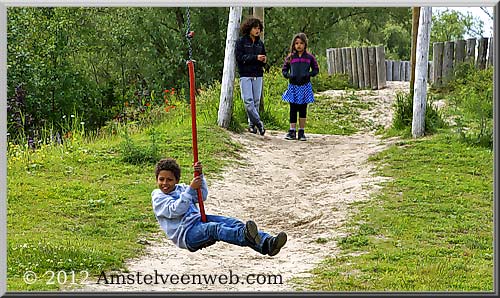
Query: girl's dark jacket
x,y
299,70
246,56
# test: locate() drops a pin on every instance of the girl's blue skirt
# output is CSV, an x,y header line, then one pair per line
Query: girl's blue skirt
x,y
299,94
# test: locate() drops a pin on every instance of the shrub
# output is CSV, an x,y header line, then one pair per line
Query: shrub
x,y
471,100
403,113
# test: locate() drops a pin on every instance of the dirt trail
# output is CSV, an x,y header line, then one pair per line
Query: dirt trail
x,y
303,188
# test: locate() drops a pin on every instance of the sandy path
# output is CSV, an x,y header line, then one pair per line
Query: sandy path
x,y
303,188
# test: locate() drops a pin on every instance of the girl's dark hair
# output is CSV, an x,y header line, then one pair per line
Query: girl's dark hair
x,y
168,164
301,36
250,23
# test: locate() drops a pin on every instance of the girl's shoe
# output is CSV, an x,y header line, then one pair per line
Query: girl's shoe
x,y
301,136
290,135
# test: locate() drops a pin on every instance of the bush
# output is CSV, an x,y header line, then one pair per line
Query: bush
x,y
471,100
403,113
137,155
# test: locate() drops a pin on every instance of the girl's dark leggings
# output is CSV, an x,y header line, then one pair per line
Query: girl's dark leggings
x,y
294,108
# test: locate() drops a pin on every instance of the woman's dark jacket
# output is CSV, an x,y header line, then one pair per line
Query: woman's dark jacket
x,y
246,56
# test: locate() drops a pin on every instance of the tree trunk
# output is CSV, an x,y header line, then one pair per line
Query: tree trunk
x,y
414,31
421,64
227,87
258,12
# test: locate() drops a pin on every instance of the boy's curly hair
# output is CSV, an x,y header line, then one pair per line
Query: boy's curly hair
x,y
250,23
168,164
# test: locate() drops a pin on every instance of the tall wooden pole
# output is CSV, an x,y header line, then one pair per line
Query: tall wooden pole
x,y
228,73
414,33
422,59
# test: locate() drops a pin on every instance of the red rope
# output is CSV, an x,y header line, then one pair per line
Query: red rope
x,y
192,91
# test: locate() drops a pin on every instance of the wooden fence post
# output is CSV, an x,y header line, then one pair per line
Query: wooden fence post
x,y
396,71
344,60
447,62
459,52
354,68
437,61
338,59
380,54
388,69
481,53
408,71
366,67
359,61
349,65
470,52
402,72
372,61
330,61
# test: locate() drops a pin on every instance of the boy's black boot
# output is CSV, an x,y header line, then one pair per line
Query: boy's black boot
x,y
301,136
290,135
276,243
252,233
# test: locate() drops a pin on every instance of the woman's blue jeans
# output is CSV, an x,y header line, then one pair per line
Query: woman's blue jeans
x,y
221,228
251,90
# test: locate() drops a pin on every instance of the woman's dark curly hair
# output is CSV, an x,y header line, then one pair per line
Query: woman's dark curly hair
x,y
168,164
249,24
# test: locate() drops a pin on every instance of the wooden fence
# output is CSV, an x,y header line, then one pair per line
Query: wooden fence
x,y
366,70
365,66
447,55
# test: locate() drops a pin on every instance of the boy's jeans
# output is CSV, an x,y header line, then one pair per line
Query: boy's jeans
x,y
221,228
251,90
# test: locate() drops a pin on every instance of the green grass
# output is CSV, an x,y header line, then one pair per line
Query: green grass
x,y
429,229
83,205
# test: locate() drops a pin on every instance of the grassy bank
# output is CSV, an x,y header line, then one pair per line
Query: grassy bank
x,y
429,229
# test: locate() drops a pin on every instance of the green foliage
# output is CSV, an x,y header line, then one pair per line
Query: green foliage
x,y
403,113
451,25
140,154
93,60
471,101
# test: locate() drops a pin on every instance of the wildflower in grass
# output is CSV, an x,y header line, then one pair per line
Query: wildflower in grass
x,y
72,116
126,103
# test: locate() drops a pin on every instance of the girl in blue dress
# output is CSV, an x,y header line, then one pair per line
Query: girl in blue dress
x,y
299,67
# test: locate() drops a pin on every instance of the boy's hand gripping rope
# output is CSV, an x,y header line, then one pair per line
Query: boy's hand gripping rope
x,y
192,90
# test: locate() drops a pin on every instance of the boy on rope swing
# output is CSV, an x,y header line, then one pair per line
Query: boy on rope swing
x,y
176,212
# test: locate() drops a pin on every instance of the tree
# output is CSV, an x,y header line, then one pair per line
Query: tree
x,y
452,25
